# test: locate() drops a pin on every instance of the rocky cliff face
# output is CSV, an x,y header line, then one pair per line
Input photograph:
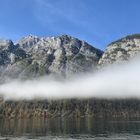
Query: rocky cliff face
x,y
121,50
32,57
9,54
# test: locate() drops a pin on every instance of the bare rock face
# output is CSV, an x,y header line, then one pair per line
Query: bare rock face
x,y
27,42
32,56
8,54
6,48
121,50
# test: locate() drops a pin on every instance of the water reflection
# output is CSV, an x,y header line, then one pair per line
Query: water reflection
x,y
66,126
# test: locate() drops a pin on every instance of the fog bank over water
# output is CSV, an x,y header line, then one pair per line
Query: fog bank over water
x,y
115,81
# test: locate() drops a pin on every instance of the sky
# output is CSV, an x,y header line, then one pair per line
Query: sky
x,y
99,22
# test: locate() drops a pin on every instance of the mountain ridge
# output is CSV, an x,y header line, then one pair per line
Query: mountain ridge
x,y
63,55
60,55
121,50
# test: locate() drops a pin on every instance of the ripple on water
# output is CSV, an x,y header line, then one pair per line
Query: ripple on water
x,y
80,137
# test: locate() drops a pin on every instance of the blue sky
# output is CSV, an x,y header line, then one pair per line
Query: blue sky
x,y
98,22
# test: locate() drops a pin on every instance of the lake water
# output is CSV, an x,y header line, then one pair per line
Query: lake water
x,y
69,129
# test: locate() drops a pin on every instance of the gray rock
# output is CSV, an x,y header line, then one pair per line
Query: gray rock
x,y
121,50
62,56
27,42
6,50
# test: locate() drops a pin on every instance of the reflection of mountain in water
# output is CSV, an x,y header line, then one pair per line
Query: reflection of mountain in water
x,y
58,128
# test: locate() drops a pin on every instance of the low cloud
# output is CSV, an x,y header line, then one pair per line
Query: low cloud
x,y
115,81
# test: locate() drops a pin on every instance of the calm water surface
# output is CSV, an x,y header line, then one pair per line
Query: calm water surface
x,y
69,129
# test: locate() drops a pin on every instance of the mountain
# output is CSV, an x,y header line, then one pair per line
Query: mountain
x,y
32,57
121,50
64,56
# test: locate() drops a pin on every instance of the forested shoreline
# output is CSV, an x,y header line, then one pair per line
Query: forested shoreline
x,y
101,108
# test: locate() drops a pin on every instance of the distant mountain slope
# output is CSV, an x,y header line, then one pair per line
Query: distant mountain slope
x,y
121,50
33,56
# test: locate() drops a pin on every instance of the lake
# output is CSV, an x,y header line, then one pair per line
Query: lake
x,y
85,128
